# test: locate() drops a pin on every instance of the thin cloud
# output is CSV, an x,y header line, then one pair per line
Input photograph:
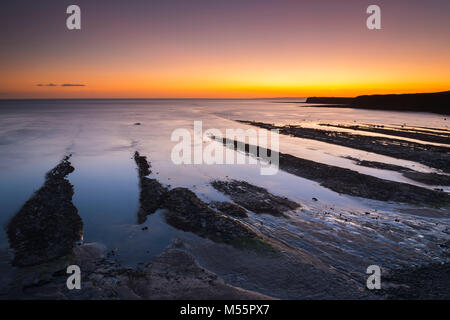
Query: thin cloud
x,y
46,85
61,85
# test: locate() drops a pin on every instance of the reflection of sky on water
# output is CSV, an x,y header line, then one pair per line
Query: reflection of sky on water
x,y
102,137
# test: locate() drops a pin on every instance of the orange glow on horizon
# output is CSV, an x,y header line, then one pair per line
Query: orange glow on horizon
x,y
227,80
274,51
238,75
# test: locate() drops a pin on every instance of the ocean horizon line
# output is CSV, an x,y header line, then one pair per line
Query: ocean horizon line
x,y
162,98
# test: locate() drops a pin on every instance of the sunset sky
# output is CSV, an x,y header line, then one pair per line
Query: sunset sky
x,y
222,48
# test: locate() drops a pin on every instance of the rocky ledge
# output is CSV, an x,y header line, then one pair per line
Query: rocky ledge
x,y
255,198
429,178
346,181
230,209
430,155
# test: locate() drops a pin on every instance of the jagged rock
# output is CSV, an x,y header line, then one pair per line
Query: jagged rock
x,y
48,224
143,165
152,193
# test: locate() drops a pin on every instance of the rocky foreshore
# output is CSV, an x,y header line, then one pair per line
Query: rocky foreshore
x,y
44,237
346,181
434,135
433,156
429,178
48,225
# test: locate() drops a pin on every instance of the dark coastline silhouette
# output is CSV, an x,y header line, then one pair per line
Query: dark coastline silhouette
x,y
438,102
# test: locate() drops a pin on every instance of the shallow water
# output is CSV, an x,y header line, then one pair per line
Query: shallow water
x,y
101,135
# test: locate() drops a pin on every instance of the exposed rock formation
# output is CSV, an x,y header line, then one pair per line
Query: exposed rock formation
x,y
48,224
254,198
152,192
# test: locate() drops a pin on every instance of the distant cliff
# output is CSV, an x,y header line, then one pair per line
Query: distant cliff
x,y
424,102
330,100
